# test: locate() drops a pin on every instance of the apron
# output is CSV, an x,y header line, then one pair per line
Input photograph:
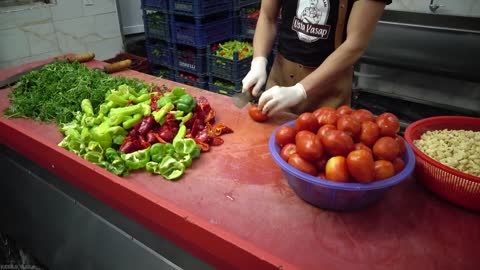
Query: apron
x,y
287,73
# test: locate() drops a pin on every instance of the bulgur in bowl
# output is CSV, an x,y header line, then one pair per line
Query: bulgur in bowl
x,y
447,153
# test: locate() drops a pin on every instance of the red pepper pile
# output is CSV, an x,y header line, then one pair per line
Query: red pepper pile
x,y
201,127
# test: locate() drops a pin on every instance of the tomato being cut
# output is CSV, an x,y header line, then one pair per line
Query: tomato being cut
x,y
383,169
309,146
388,124
337,143
256,114
386,148
337,170
299,163
285,135
306,121
287,151
361,166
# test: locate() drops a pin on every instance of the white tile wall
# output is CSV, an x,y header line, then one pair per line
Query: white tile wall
x,y
13,44
41,38
67,27
469,8
67,9
100,7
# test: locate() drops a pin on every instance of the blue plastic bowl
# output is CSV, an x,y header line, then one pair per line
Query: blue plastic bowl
x,y
333,195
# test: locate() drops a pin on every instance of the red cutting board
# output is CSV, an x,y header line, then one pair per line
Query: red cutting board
x,y
234,209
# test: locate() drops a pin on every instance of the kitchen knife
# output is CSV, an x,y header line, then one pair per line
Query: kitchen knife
x,y
84,57
241,99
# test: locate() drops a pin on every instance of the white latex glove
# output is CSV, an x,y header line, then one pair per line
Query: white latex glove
x,y
256,76
278,98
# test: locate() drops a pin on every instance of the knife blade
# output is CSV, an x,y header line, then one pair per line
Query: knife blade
x,y
241,99
84,57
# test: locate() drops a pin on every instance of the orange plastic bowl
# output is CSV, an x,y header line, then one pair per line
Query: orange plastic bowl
x,y
452,185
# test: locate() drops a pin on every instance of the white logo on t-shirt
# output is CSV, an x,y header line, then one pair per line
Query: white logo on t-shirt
x,y
310,20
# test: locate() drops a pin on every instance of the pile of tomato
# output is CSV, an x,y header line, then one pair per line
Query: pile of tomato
x,y
343,145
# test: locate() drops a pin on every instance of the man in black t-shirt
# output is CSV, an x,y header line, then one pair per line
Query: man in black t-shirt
x,y
318,43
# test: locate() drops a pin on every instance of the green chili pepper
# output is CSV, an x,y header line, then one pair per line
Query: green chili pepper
x,y
128,124
185,146
186,118
136,160
170,168
158,115
185,103
86,106
158,151
182,131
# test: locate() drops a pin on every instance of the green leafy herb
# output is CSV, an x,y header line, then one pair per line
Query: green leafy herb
x,y
56,91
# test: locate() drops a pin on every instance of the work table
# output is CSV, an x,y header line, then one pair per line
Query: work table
x,y
234,208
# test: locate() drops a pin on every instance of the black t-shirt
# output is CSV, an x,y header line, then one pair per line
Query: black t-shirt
x,y
307,30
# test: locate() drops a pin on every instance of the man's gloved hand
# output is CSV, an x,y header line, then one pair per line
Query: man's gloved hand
x,y
256,76
279,98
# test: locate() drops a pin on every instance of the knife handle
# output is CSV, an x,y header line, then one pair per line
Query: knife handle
x,y
83,57
118,66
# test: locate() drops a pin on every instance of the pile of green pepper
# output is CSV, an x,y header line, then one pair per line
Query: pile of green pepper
x,y
97,137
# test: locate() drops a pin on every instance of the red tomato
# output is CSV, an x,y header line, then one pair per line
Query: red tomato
x,y
318,112
361,146
401,144
362,115
337,143
383,169
299,163
369,133
344,110
337,170
322,175
398,165
287,151
285,135
322,132
361,166
256,114
328,117
349,125
321,163
388,124
386,148
306,121
309,147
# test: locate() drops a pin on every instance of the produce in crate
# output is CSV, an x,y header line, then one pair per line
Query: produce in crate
x,y
344,145
229,48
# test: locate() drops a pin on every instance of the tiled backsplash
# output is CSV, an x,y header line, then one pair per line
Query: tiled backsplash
x,y
469,8
68,26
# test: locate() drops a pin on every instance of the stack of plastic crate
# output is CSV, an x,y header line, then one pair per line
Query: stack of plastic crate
x,y
226,74
194,25
158,43
247,12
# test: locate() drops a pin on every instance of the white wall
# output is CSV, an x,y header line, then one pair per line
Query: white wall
x,y
68,26
468,8
131,16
